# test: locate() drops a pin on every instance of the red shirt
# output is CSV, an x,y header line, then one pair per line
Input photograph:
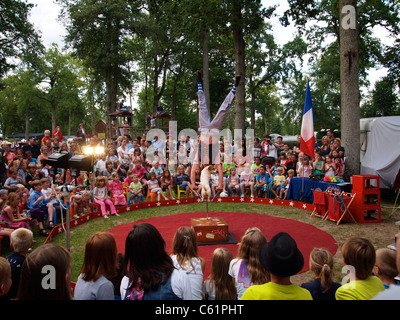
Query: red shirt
x,y
60,135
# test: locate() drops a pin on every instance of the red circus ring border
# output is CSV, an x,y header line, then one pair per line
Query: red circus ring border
x,y
60,228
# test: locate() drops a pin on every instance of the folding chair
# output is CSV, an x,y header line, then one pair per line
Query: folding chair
x,y
341,201
321,204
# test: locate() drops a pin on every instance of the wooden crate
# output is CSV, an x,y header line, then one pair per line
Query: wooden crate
x,y
211,229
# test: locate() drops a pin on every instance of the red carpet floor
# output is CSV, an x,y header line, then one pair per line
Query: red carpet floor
x,y
307,236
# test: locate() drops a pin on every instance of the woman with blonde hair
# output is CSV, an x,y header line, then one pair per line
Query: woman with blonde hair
x,y
323,287
246,268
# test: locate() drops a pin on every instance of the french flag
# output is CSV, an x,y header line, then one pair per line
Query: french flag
x,y
307,127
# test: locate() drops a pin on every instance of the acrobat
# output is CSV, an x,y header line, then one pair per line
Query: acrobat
x,y
209,130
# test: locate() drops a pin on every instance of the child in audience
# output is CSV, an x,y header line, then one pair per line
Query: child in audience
x,y
154,186
323,287
140,171
262,182
233,182
151,276
385,267
219,285
185,257
282,259
11,213
304,168
339,167
157,170
100,195
329,167
246,268
32,285
286,188
38,201
5,277
273,171
136,189
167,183
359,256
13,179
117,190
21,242
118,168
3,198
99,266
279,182
255,167
247,180
183,181
318,164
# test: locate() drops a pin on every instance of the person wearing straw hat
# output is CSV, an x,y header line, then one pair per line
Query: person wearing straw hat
x,y
282,259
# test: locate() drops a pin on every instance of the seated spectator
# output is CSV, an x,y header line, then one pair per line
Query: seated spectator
x,y
385,267
136,189
116,190
282,259
38,201
318,164
99,267
140,171
233,182
5,277
108,171
279,182
323,287
33,174
21,242
118,168
337,146
101,164
262,181
151,277
359,255
167,182
13,179
255,167
31,285
157,170
11,215
286,188
247,180
185,257
219,285
183,181
154,186
304,168
246,268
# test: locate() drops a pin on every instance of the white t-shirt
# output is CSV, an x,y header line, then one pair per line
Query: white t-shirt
x,y
180,285
238,271
195,275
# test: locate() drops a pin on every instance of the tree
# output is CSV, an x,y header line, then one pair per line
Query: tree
x,y
349,84
17,35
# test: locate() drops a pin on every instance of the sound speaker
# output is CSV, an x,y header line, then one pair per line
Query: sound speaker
x,y
81,162
58,160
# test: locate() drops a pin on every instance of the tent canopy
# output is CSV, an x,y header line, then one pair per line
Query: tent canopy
x,y
382,157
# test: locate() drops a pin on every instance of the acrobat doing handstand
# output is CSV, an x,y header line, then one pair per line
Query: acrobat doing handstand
x,y
209,131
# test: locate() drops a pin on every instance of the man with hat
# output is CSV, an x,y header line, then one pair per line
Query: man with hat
x,y
32,147
282,259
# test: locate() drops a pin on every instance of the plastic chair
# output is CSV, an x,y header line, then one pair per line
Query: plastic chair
x,y
150,195
179,191
129,202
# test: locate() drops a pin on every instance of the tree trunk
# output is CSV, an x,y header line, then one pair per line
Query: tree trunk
x,y
206,68
239,46
349,85
26,127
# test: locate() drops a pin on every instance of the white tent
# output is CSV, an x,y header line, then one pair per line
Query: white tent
x,y
382,156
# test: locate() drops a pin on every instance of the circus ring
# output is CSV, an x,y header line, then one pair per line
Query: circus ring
x,y
306,235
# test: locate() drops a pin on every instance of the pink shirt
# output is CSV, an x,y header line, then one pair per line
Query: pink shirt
x,y
247,176
116,187
234,179
140,172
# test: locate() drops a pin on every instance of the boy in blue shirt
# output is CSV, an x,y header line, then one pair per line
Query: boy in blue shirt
x,y
262,181
38,200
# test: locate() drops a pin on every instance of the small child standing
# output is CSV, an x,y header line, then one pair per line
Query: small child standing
x,y
100,195
220,285
117,190
234,182
286,188
323,287
185,257
304,169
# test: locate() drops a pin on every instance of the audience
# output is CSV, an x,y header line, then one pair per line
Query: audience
x,y
99,267
282,259
359,256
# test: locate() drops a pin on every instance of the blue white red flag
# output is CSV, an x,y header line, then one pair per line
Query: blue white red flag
x,y
307,127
